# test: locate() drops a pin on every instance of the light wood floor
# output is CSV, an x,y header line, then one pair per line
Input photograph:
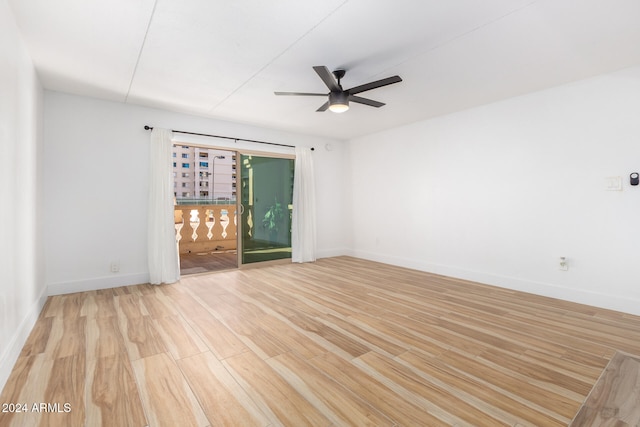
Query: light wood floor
x,y
615,399
337,342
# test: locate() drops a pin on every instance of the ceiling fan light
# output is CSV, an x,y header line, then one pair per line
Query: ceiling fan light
x,y
339,108
338,102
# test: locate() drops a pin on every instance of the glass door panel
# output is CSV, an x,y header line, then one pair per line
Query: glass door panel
x,y
266,205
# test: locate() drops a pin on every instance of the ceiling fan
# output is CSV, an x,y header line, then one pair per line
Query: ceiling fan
x,y
339,98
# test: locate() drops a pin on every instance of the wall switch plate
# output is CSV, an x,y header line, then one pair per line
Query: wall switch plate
x,y
613,183
115,267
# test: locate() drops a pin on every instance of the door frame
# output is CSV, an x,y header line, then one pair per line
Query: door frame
x,y
239,230
238,152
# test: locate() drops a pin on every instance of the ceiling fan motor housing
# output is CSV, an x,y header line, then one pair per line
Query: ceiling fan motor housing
x,y
339,98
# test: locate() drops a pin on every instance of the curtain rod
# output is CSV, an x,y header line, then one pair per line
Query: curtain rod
x,y
146,127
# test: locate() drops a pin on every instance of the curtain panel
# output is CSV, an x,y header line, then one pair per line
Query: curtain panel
x,y
303,226
164,261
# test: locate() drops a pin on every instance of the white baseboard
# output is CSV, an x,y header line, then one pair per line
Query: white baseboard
x,y
609,301
97,283
596,299
329,253
12,350
116,280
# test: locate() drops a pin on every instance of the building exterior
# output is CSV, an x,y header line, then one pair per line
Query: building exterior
x,y
203,175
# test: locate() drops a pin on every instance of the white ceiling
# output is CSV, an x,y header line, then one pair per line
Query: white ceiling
x,y
224,59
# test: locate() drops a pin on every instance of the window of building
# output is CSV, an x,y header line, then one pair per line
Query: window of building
x,y
185,165
185,174
174,164
174,154
185,184
185,155
204,164
204,155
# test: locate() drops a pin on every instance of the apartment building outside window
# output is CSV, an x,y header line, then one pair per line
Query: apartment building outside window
x,y
214,178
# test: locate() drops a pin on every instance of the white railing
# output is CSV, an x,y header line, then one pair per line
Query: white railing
x,y
203,228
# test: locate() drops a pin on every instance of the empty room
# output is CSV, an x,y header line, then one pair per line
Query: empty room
x,y
336,213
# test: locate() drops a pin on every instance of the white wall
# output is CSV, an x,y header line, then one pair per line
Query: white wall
x,y
96,167
497,194
22,290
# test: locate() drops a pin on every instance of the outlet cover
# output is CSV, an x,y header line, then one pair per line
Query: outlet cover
x,y
115,267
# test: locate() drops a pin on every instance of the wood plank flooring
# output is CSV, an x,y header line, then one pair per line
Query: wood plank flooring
x,y
339,342
615,399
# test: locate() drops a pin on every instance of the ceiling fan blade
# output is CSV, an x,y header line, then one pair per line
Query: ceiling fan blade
x,y
366,101
327,78
323,107
375,85
300,94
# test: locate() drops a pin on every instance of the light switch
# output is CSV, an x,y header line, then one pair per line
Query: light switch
x,y
613,183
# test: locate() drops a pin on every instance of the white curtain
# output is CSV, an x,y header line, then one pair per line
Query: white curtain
x,y
303,227
164,261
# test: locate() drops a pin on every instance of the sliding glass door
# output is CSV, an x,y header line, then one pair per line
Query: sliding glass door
x,y
265,208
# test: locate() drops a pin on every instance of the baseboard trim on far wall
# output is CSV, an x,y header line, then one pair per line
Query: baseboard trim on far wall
x,y
333,252
11,352
114,281
97,283
608,301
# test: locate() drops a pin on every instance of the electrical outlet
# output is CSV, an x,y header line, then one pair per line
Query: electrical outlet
x,y
115,267
563,265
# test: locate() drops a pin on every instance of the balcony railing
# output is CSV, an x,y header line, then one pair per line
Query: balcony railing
x,y
206,227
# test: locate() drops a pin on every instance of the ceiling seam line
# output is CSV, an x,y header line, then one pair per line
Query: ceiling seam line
x,y
466,33
144,41
277,56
